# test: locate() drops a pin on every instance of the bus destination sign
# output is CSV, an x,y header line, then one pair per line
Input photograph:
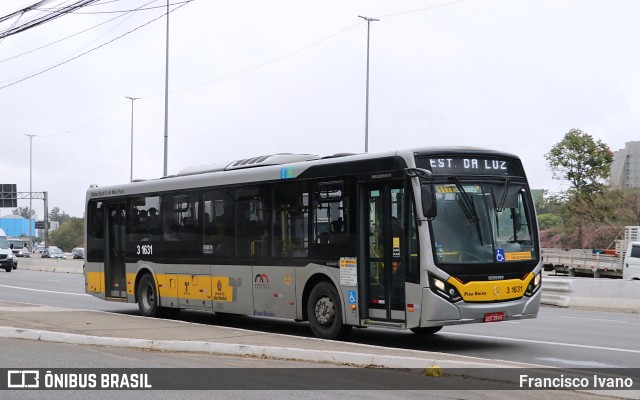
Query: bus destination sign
x,y
471,166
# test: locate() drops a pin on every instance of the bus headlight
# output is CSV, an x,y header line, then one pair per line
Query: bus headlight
x,y
445,290
534,285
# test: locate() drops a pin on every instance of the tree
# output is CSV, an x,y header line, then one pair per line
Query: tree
x,y
25,212
547,221
69,235
581,160
59,216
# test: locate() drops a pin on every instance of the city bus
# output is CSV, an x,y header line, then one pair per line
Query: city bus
x,y
413,239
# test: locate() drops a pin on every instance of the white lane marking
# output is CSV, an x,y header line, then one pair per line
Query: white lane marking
x,y
45,291
582,346
595,319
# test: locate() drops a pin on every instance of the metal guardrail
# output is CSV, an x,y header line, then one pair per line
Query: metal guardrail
x,y
582,260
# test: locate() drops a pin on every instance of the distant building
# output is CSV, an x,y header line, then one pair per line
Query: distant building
x,y
17,226
625,170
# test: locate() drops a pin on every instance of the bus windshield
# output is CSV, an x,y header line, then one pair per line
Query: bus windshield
x,y
480,223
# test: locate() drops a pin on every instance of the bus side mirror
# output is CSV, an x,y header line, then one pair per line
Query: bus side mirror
x,y
11,246
428,195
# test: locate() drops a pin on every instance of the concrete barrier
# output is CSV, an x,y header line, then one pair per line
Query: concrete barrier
x,y
591,293
36,263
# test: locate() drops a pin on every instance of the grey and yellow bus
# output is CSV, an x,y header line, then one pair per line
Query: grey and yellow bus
x,y
413,239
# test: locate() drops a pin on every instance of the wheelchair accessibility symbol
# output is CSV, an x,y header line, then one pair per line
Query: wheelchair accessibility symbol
x,y
352,297
500,255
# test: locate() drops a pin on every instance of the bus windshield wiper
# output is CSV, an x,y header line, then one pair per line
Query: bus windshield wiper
x,y
465,201
504,195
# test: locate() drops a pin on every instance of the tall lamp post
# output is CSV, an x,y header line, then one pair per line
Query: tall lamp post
x,y
366,118
132,100
30,191
166,99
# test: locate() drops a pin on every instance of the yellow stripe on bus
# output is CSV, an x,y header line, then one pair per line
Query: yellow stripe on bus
x,y
492,290
185,286
94,282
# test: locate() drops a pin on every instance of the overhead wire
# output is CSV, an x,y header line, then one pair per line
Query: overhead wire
x,y
264,64
68,37
261,65
36,21
90,50
68,131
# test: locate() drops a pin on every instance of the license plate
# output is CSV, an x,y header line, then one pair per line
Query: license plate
x,y
494,317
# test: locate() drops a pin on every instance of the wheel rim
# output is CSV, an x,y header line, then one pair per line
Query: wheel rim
x,y
325,311
148,297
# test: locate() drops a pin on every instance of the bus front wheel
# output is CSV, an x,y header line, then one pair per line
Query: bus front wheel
x,y
148,301
427,330
325,312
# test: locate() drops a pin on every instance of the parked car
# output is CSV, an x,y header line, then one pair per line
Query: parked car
x,y
39,249
78,252
53,252
19,247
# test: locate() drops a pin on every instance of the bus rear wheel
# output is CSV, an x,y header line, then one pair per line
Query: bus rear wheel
x,y
427,330
325,312
148,301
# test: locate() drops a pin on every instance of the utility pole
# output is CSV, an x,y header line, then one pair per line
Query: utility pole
x,y
132,100
166,99
30,192
366,118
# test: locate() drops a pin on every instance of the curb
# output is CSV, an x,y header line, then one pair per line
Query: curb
x,y
491,370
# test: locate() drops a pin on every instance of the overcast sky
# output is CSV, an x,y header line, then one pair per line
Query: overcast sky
x,y
252,77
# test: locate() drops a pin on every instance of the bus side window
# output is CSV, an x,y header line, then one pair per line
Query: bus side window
x,y
252,212
331,221
218,222
291,219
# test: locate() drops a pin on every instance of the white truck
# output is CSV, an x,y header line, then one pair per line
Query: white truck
x,y
624,262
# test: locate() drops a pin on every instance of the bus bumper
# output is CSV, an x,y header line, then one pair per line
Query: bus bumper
x,y
440,312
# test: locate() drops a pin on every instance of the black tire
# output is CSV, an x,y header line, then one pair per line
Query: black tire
x,y
325,313
8,268
15,266
428,330
149,300
147,296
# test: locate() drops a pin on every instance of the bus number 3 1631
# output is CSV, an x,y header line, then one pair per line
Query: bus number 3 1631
x,y
145,249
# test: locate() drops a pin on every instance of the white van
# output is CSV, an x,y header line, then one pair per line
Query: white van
x,y
631,268
8,260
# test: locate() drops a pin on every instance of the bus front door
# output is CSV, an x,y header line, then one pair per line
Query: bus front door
x,y
384,248
114,265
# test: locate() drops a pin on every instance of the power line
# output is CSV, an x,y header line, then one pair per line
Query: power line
x,y
43,19
126,11
91,50
261,65
422,9
70,36
264,64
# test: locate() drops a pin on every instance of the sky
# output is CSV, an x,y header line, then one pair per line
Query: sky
x,y
252,77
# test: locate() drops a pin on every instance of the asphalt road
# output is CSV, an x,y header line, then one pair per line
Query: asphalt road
x,y
231,373
558,337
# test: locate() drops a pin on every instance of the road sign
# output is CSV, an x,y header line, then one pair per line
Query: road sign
x,y
40,225
8,196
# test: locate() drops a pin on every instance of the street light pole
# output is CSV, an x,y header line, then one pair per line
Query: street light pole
x,y
366,118
166,99
30,192
132,100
